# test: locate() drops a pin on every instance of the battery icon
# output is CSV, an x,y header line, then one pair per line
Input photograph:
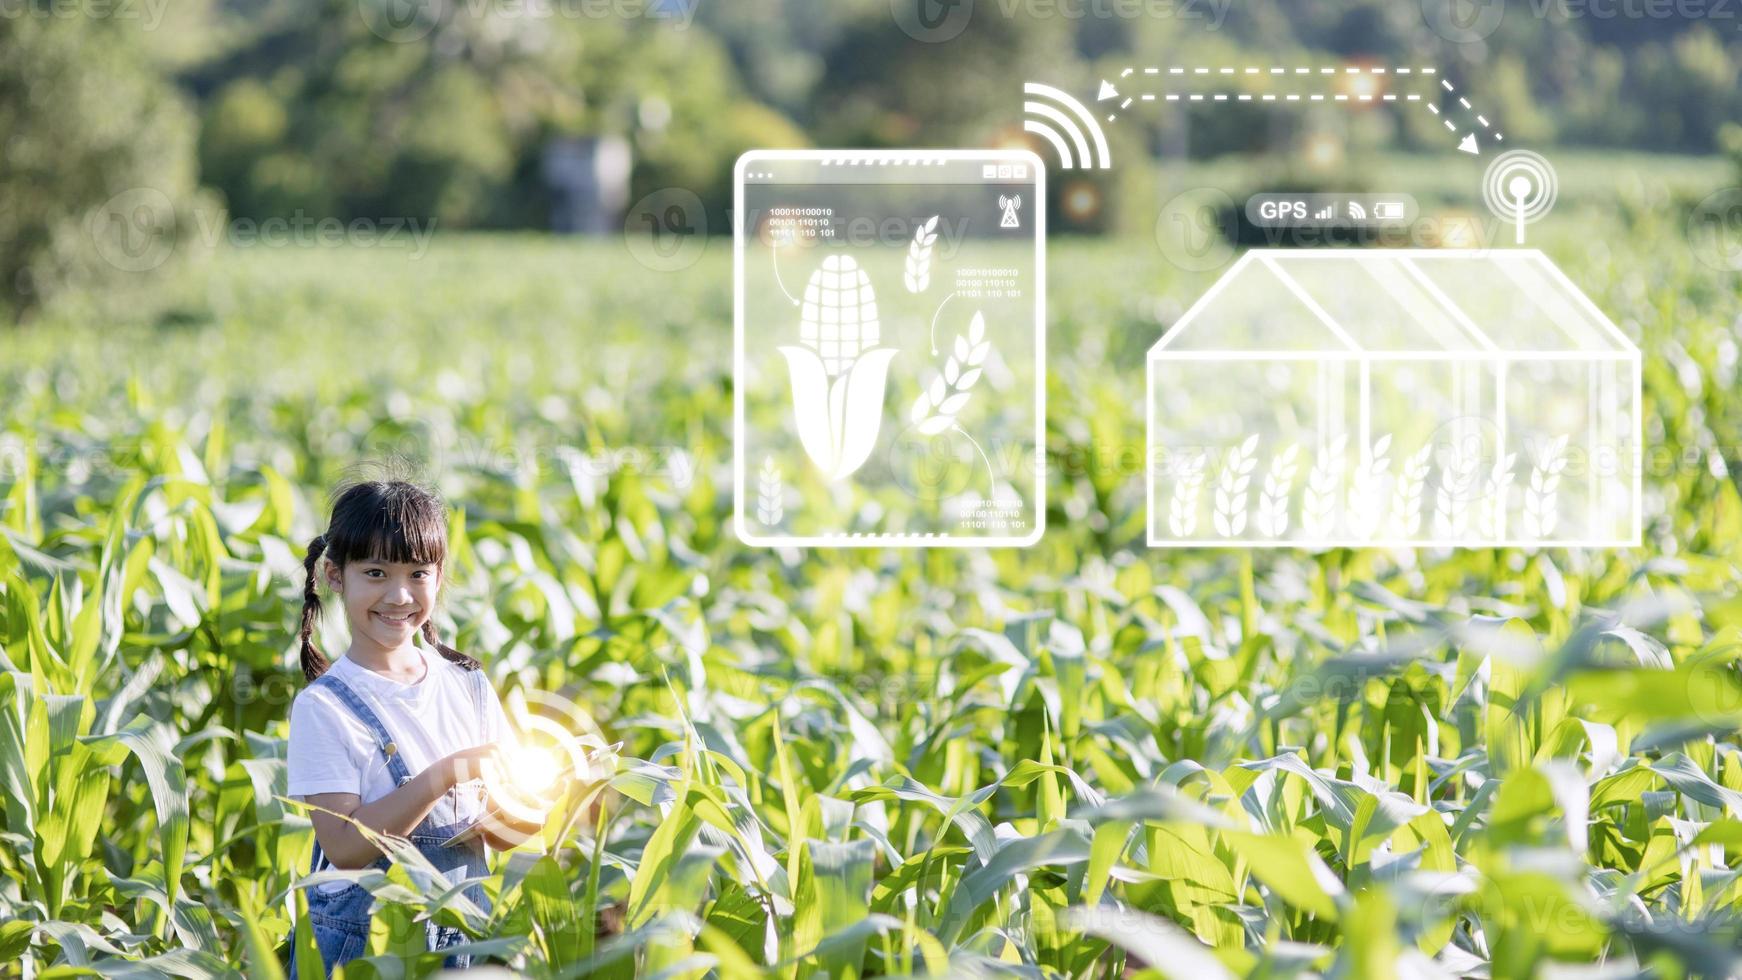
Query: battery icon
x,y
1388,211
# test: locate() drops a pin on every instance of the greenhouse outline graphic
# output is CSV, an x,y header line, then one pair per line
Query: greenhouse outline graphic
x,y
1394,398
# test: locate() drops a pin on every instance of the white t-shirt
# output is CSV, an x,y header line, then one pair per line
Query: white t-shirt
x,y
333,751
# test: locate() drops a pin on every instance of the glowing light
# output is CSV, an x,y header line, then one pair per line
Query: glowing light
x,y
1324,150
1082,201
556,745
1013,138
533,769
1362,86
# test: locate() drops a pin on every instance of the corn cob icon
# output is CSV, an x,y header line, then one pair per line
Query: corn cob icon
x,y
838,371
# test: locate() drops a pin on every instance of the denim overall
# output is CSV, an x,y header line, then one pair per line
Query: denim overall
x,y
340,919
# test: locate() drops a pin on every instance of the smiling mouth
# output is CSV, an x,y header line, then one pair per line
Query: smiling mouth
x,y
405,619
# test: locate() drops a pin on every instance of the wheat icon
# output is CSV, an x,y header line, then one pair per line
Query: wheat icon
x,y
1407,497
1231,486
770,495
1540,510
937,406
917,275
1494,492
1366,489
1451,500
1319,500
1272,518
1182,510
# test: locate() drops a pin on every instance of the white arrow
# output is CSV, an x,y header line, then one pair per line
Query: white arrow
x,y
1468,145
1107,91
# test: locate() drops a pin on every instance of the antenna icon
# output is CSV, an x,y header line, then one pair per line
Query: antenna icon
x,y
1519,187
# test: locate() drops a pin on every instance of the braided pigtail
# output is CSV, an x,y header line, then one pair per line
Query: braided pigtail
x,y
448,653
314,663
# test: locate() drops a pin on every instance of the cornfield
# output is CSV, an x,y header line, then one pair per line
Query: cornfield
x,y
1083,759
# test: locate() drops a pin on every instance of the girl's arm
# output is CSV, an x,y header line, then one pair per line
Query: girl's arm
x,y
396,813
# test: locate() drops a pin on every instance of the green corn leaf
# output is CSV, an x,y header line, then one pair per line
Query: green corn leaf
x,y
1164,947
1291,869
555,911
151,744
838,876
1060,847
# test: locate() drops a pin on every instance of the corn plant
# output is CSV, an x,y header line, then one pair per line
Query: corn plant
x,y
1072,760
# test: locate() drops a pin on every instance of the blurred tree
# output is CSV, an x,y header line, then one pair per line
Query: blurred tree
x,y
244,126
343,115
777,45
1690,83
676,95
448,119
1504,88
99,180
1730,141
881,87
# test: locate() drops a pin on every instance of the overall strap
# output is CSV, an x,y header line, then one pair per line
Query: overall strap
x,y
481,691
396,766
389,750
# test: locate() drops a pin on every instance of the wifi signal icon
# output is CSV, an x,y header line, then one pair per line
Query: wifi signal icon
x,y
1357,212
1066,124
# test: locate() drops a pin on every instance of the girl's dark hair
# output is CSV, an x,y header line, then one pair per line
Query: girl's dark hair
x,y
377,520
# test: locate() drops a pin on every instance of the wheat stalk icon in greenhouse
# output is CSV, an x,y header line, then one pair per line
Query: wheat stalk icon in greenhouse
x,y
838,370
1272,517
1231,488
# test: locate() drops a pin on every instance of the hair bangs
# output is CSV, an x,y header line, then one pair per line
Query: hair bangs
x,y
390,522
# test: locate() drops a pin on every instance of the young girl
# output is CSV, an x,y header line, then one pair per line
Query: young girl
x,y
392,733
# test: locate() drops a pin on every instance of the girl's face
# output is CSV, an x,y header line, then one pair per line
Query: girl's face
x,y
385,601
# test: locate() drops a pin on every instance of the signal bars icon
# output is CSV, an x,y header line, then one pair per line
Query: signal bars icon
x,y
1052,120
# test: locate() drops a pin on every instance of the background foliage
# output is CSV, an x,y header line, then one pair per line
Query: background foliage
x,y
440,110
1081,759
1069,760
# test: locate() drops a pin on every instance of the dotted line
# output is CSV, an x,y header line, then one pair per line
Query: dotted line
x,y
1321,70
1300,70
1499,137
1273,97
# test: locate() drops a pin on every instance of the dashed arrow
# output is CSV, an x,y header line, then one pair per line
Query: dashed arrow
x,y
1107,91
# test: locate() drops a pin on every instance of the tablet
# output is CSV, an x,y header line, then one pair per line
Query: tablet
x,y
889,348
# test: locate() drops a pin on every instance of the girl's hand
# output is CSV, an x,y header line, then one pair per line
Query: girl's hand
x,y
469,764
